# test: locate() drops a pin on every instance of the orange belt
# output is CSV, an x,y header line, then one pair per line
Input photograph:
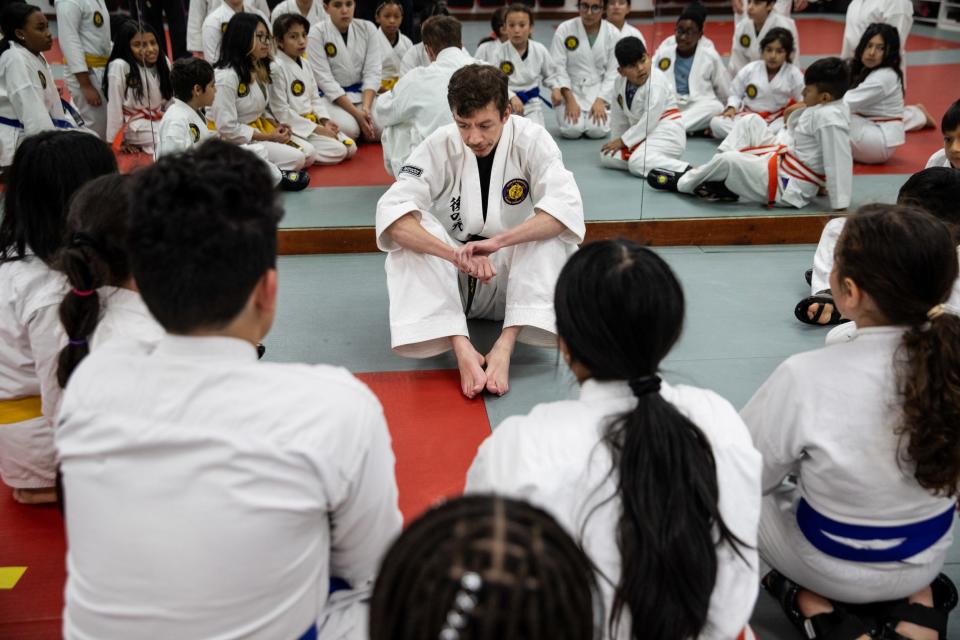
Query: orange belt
x,y
669,114
129,115
782,160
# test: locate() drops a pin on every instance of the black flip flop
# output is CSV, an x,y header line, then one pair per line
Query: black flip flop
x,y
823,298
664,179
935,618
715,191
839,624
808,275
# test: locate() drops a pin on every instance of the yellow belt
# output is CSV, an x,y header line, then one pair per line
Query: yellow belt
x,y
95,62
20,410
263,125
388,83
312,117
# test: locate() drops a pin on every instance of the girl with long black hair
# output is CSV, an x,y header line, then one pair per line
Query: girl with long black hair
x,y
660,483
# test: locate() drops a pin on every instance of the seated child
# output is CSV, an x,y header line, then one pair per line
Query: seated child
x,y
857,520
644,120
344,55
498,33
617,12
949,156
695,71
294,98
485,566
753,29
875,97
583,50
416,56
313,487
393,44
47,169
199,10
786,169
215,25
312,10
765,87
137,88
528,65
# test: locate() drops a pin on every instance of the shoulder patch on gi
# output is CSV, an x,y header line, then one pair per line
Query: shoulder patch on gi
x,y
744,40
43,79
571,43
664,64
330,49
223,27
752,90
243,90
507,67
194,132
415,171
297,88
97,19
515,191
620,100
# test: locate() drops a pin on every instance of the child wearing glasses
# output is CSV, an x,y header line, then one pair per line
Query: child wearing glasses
x,y
750,32
583,50
694,70
215,26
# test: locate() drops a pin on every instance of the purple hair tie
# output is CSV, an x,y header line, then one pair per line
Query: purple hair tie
x,y
77,343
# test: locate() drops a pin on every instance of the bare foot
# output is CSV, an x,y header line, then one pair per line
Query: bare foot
x,y
812,604
47,495
498,361
930,123
825,316
910,630
470,363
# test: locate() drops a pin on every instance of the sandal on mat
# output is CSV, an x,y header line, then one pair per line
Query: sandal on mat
x,y
715,191
808,275
836,625
935,617
821,299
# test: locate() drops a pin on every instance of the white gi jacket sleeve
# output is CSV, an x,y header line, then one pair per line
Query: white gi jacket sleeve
x,y
26,97
69,15
837,164
212,38
558,56
320,65
225,110
46,339
866,95
176,137
737,88
116,85
372,64
280,105
412,193
195,17
554,190
721,80
657,96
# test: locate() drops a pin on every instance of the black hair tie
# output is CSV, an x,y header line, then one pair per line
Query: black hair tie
x,y
84,239
644,385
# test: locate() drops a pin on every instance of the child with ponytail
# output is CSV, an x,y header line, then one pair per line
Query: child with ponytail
x,y
660,483
869,430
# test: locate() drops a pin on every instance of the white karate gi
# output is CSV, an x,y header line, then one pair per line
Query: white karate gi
x,y
345,69
416,56
812,152
555,458
215,26
416,107
876,116
484,49
139,120
31,337
283,473
746,40
392,56
589,70
441,184
314,15
709,82
238,105
650,126
526,74
29,96
939,159
753,92
199,10
630,30
182,127
780,7
125,318
294,99
83,28
829,416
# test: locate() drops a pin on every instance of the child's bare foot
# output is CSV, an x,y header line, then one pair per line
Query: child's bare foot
x,y
914,631
470,362
812,604
824,315
46,495
930,122
498,361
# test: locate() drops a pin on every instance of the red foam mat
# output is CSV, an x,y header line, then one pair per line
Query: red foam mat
x,y
363,170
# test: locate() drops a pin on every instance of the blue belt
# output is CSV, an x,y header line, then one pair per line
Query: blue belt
x,y
527,96
353,88
917,537
59,124
311,633
336,584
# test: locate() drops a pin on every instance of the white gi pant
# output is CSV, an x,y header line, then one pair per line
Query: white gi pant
x,y
913,119
27,454
720,127
427,296
348,125
696,114
584,126
328,150
94,118
533,110
661,150
287,157
867,142
784,547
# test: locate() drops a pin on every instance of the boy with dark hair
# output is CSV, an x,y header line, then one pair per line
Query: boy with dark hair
x,y
488,197
244,498
788,168
949,156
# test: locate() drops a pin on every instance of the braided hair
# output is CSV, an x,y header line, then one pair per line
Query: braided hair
x,y
485,566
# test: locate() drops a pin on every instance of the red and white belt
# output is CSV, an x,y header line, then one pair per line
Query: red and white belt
x,y
782,161
129,115
669,114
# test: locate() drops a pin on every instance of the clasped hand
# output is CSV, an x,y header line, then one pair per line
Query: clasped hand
x,y
473,259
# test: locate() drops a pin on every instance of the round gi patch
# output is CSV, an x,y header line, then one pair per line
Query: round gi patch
x,y
752,91
664,64
507,67
43,80
331,50
744,40
571,43
297,88
195,132
515,191
223,27
243,90
97,19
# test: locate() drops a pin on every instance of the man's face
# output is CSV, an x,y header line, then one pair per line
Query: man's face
x,y
951,145
481,129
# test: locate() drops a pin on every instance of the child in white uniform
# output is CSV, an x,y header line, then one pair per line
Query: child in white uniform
x,y
215,26
200,10
748,35
498,33
83,29
616,15
583,50
867,514
695,71
786,169
765,87
47,169
393,44
633,450
29,101
344,55
312,10
644,121
528,66
137,88
949,156
295,99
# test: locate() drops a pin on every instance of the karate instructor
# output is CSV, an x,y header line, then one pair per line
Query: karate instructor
x,y
480,221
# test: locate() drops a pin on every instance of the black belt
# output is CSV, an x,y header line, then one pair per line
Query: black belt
x,y
471,281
